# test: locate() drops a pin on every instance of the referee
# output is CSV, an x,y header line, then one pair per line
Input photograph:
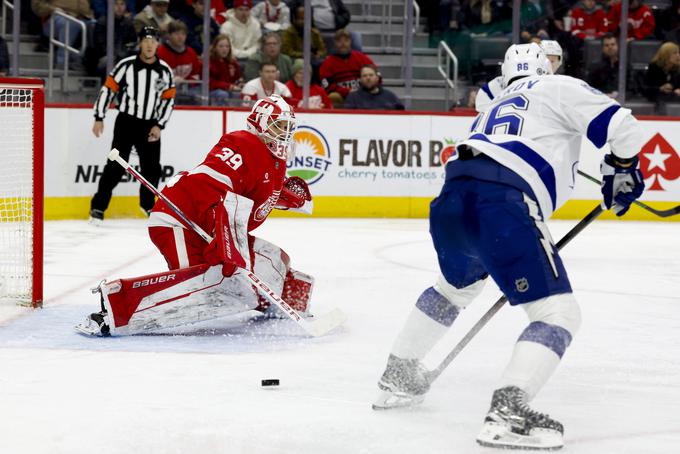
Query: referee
x,y
145,93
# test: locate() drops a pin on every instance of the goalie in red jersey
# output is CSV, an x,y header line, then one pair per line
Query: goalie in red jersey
x,y
228,195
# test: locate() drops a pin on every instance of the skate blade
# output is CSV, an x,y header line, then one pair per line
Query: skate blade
x,y
388,400
88,328
496,435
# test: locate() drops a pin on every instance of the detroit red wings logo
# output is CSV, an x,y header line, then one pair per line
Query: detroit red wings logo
x,y
659,163
263,210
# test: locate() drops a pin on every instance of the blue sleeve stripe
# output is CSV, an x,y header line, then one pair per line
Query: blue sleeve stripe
x,y
597,129
486,90
535,160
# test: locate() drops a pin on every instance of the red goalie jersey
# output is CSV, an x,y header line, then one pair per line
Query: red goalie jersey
x,y
240,163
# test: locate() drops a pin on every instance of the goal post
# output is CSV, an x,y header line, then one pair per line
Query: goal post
x,y
22,107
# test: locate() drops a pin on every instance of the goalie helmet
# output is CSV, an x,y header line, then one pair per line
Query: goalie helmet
x,y
273,120
523,60
553,49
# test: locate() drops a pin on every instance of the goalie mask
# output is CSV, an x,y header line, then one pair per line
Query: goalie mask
x,y
523,60
273,120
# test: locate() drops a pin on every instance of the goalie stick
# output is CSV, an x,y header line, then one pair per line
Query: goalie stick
x,y
318,327
433,374
661,213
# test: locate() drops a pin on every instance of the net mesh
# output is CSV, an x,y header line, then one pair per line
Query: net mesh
x,y
16,194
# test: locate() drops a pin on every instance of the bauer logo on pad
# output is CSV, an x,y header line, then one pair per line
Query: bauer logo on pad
x,y
312,155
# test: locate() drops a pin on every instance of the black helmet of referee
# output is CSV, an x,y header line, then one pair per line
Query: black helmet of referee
x,y
148,32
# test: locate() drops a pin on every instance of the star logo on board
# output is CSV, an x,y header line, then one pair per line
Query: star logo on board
x,y
659,163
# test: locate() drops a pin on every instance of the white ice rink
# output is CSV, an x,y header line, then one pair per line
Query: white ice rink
x,y
616,391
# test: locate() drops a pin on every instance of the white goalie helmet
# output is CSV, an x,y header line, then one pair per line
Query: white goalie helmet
x,y
523,60
553,49
273,120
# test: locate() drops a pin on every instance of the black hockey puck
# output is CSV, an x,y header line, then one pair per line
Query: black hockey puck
x,y
270,382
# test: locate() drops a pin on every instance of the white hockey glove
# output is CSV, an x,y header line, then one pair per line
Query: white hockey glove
x,y
621,184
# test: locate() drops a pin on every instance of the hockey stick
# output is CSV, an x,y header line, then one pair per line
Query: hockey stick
x,y
433,374
661,213
318,327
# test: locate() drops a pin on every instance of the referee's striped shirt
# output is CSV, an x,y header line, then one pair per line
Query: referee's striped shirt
x,y
145,91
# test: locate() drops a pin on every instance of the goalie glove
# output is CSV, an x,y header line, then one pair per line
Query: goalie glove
x,y
229,247
295,196
621,185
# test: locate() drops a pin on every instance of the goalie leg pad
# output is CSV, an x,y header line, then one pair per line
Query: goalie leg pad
x,y
175,298
270,263
297,290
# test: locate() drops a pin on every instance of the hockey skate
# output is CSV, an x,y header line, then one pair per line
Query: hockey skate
x,y
403,384
95,325
96,217
512,424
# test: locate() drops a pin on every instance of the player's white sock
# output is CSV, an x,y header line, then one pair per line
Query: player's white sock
x,y
425,326
531,366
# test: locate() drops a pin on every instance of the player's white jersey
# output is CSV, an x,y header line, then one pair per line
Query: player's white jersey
x,y
534,127
487,93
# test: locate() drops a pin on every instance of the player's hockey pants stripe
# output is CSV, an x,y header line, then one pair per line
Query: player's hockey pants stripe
x,y
180,247
544,170
554,337
437,307
599,127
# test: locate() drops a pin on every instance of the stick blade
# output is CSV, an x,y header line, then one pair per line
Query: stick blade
x,y
113,154
324,324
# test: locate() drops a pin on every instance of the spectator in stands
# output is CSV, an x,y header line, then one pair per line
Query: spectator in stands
x,y
155,15
243,30
269,52
194,22
668,24
76,8
124,40
662,80
100,7
185,64
340,72
293,37
486,17
225,74
273,15
318,99
641,21
371,95
588,20
605,75
4,58
329,16
265,85
534,22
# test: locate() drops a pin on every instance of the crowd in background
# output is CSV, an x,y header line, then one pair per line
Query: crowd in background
x,y
573,23
256,48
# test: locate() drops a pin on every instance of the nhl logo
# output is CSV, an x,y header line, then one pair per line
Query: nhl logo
x,y
522,284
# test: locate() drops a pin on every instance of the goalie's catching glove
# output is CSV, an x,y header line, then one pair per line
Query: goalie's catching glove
x,y
622,184
295,196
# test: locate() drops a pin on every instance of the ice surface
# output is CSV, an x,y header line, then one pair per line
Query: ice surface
x,y
617,390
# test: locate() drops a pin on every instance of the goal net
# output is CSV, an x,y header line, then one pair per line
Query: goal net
x,y
21,190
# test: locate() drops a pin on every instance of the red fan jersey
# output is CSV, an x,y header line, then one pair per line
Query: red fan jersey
x,y
641,21
240,163
185,65
588,23
340,73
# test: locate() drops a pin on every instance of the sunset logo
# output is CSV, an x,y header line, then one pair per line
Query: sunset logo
x,y
312,155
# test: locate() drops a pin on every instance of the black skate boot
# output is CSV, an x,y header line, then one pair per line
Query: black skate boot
x,y
403,384
512,424
95,325
96,217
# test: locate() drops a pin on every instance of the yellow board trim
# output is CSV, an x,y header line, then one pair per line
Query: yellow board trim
x,y
342,207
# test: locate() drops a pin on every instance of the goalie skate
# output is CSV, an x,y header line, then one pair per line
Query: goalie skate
x,y
403,384
511,424
94,325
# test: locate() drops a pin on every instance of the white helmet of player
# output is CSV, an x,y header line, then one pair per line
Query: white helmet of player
x,y
554,50
273,120
523,60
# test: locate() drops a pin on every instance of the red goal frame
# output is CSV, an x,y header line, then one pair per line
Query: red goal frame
x,y
37,87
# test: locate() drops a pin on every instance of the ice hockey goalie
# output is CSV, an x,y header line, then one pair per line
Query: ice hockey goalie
x,y
228,195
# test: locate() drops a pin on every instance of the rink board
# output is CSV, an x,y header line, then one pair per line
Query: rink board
x,y
357,164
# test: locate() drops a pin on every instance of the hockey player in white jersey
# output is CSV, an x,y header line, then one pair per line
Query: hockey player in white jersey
x,y
489,91
515,169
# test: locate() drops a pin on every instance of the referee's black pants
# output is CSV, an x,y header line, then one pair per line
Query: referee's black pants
x,y
127,132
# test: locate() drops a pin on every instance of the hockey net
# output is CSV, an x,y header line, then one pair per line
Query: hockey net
x,y
21,190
